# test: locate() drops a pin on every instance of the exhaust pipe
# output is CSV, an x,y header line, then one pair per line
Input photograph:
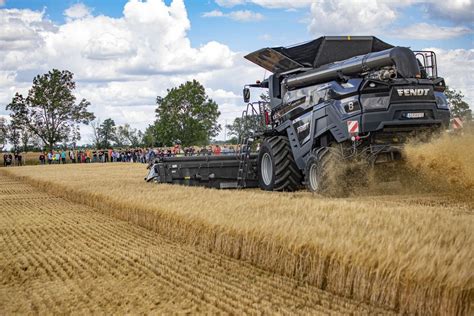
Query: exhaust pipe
x,y
388,74
401,57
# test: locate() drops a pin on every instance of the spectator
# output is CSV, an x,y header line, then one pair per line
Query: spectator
x,y
217,150
63,157
7,160
19,159
42,159
50,157
57,157
72,156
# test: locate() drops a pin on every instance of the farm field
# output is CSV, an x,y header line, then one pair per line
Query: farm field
x,y
402,249
57,256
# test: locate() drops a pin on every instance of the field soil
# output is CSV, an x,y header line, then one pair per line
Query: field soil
x,y
403,246
58,256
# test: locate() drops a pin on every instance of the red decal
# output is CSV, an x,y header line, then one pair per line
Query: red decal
x,y
457,123
353,127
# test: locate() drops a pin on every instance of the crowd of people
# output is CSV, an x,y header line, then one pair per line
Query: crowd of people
x,y
138,155
88,156
10,159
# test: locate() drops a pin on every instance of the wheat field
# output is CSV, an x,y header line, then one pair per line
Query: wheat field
x,y
398,249
62,257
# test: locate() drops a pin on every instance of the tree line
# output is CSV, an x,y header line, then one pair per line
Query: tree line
x,y
50,115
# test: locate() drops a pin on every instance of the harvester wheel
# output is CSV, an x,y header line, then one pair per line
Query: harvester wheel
x,y
277,168
321,172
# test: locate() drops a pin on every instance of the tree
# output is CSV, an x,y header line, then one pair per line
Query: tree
x,y
25,138
459,107
241,127
75,135
247,125
121,135
186,115
135,137
3,132
149,139
96,137
36,143
14,135
106,132
127,136
50,110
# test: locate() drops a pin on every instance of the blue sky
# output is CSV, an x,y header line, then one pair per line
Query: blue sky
x,y
126,52
279,26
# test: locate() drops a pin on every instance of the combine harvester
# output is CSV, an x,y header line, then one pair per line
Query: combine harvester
x,y
332,100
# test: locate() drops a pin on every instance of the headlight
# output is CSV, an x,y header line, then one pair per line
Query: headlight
x,y
372,103
441,101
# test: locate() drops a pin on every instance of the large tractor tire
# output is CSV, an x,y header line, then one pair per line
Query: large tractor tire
x,y
324,172
277,170
330,172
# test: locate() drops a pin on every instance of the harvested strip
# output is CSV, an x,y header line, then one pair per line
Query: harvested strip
x,y
59,257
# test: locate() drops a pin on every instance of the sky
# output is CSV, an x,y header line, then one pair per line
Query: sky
x,y
126,53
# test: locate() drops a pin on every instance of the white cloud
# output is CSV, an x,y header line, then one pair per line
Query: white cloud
x,y
229,3
245,15
350,18
454,10
456,66
213,14
120,64
77,11
272,4
265,37
21,29
361,17
108,46
283,4
239,15
425,31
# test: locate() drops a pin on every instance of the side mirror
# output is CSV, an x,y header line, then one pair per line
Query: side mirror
x,y
246,95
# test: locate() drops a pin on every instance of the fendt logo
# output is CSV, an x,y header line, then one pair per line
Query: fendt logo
x,y
412,92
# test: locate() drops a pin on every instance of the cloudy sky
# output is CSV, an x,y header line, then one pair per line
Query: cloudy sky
x,y
125,53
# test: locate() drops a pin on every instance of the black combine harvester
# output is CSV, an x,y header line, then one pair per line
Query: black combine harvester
x,y
333,100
